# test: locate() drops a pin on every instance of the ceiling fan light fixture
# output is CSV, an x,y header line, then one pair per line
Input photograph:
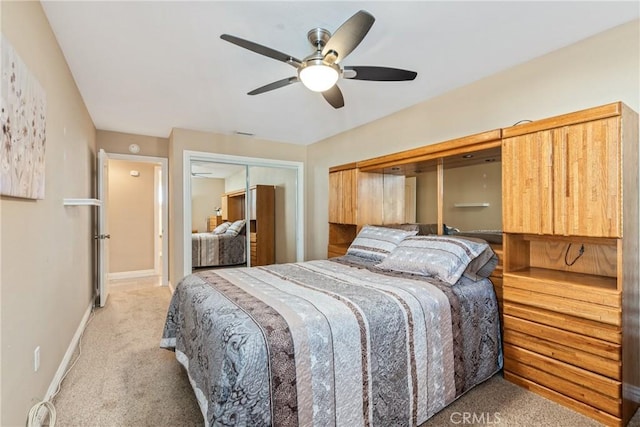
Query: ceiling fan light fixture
x,y
318,76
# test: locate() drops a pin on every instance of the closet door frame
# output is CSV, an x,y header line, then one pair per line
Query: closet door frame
x,y
189,156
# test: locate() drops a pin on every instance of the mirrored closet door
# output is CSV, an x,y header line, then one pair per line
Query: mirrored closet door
x,y
258,202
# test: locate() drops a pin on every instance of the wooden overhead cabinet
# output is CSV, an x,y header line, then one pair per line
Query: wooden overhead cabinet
x,y
570,279
343,195
563,181
358,198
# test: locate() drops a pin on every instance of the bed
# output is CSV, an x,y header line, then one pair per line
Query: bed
x,y
224,246
362,339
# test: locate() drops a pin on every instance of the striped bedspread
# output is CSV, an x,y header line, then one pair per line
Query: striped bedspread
x,y
208,249
330,342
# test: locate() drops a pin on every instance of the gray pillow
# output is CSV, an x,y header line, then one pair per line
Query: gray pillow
x,y
443,257
235,228
376,243
222,228
483,265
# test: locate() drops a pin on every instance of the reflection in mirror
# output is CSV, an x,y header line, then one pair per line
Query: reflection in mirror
x,y
212,211
472,192
472,201
420,191
209,182
260,196
393,198
284,210
427,194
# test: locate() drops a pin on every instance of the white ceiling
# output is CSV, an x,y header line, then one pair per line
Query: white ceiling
x,y
147,67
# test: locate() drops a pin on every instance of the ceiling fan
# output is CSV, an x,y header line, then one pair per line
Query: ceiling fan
x,y
321,70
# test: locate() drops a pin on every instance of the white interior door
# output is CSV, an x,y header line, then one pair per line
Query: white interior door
x,y
103,236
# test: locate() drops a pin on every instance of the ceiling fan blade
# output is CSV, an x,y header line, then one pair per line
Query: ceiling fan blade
x,y
379,74
274,85
349,35
262,50
334,97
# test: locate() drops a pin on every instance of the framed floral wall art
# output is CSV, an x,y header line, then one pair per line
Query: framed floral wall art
x,y
23,120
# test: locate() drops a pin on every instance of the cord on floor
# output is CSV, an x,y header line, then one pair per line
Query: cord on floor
x,y
35,417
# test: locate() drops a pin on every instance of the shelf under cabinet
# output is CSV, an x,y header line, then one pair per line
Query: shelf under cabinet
x,y
565,278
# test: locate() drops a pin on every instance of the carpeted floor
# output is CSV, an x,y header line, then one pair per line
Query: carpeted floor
x,y
123,378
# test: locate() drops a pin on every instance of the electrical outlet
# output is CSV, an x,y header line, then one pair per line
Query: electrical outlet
x,y
36,359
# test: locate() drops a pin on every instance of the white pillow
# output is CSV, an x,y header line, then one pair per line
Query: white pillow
x,y
235,228
222,228
443,257
376,243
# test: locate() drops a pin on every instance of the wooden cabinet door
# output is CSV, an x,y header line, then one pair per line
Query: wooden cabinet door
x,y
393,198
349,196
335,202
587,179
252,203
342,196
224,204
527,183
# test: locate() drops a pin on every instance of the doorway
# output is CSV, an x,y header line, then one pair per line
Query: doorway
x,y
138,217
286,179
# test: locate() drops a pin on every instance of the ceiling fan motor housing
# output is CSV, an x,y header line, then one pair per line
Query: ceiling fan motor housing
x,y
318,37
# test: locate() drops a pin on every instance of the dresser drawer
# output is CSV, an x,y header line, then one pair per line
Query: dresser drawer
x,y
578,350
579,384
513,292
589,328
578,341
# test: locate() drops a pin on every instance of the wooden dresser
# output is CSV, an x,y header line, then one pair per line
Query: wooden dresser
x,y
570,278
261,220
213,221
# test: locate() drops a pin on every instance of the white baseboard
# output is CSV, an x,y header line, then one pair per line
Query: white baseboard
x,y
131,274
67,356
171,288
57,378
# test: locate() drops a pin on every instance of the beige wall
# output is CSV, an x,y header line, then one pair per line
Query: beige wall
x,y
118,142
47,249
593,72
131,215
206,196
183,139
